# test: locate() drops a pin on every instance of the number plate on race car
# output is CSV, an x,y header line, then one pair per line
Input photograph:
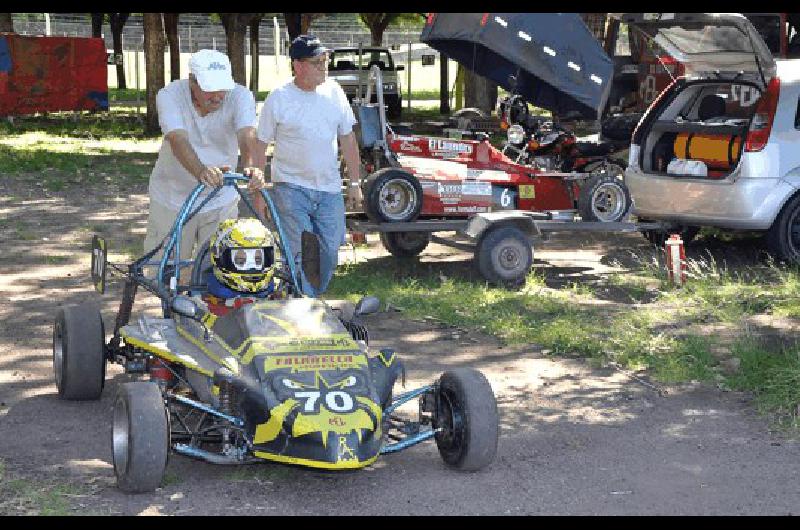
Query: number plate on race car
x,y
99,263
504,198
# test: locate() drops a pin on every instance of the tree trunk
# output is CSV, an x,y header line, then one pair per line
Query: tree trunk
x,y
6,23
444,84
305,21
479,92
154,67
254,52
97,24
117,22
235,25
171,29
293,23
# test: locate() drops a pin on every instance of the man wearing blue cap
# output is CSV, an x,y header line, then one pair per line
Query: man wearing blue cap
x,y
308,118
207,120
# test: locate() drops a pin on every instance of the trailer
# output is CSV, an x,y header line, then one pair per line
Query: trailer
x,y
502,242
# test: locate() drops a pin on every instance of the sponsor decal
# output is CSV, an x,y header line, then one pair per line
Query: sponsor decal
x,y
314,362
487,174
476,188
449,189
527,191
404,138
406,146
471,209
440,145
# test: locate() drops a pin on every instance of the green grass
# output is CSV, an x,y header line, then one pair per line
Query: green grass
x,y
650,336
35,497
772,374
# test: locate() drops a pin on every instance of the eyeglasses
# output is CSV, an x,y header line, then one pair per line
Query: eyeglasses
x,y
318,63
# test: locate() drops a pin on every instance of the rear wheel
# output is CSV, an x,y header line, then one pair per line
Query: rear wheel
x,y
79,363
604,197
139,437
504,256
393,196
405,244
783,237
467,416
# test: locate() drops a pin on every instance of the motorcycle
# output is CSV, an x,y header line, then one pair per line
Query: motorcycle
x,y
540,142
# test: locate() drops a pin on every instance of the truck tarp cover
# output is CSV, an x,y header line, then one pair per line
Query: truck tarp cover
x,y
47,74
559,64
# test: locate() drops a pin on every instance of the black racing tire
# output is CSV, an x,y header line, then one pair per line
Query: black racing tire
x,y
504,256
604,197
140,437
405,244
659,237
79,363
783,237
392,196
466,412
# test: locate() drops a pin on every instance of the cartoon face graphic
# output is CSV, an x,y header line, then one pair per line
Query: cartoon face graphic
x,y
336,404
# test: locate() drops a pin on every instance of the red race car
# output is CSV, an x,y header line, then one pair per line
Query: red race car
x,y
430,177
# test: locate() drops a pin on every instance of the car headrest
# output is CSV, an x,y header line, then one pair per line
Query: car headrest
x,y
711,106
345,65
380,64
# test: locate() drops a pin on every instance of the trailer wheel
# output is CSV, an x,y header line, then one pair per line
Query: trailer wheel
x,y
393,196
79,363
140,437
467,416
604,197
504,256
405,244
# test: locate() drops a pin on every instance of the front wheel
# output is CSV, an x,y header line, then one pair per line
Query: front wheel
x,y
405,244
504,256
466,413
604,197
392,196
783,238
139,437
79,363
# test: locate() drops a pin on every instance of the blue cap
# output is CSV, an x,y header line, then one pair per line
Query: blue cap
x,y
306,46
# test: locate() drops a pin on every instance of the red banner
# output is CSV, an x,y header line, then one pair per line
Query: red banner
x,y
46,74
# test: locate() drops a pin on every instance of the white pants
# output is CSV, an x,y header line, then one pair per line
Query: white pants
x,y
196,232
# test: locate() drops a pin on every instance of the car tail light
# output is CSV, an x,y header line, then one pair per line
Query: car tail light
x,y
761,125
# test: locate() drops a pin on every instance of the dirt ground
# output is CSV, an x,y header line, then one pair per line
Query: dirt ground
x,y
575,439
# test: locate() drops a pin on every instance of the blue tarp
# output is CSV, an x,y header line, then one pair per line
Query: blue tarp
x,y
559,64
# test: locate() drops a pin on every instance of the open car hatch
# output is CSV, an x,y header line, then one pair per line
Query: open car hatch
x,y
708,42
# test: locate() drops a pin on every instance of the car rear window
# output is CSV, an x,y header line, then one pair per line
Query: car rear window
x,y
740,100
348,60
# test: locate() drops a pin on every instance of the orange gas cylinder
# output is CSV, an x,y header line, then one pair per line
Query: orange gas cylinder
x,y
718,151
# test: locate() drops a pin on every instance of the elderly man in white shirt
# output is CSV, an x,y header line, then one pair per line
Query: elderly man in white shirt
x,y
207,120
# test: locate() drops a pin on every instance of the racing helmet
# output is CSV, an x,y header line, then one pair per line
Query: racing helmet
x,y
243,254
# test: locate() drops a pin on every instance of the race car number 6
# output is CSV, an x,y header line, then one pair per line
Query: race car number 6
x,y
505,198
337,401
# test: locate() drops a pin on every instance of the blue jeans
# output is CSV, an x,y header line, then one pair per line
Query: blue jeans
x,y
319,212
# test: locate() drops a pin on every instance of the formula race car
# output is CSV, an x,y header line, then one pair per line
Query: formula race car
x,y
287,378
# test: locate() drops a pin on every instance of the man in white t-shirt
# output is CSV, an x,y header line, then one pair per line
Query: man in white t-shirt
x,y
207,120
306,118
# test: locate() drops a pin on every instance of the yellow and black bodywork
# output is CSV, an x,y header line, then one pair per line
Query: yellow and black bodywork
x,y
304,388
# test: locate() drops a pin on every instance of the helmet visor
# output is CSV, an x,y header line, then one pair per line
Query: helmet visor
x,y
249,260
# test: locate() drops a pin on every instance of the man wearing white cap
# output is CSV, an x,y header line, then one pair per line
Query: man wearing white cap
x,y
207,120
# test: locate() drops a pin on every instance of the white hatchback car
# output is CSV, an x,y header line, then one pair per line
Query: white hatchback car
x,y
720,146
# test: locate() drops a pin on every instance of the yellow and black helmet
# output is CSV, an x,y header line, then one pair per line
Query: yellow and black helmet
x,y
243,254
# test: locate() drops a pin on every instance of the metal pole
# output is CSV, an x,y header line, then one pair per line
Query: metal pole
x,y
47,24
408,76
277,42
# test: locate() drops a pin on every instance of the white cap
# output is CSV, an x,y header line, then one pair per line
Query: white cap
x,y
212,70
